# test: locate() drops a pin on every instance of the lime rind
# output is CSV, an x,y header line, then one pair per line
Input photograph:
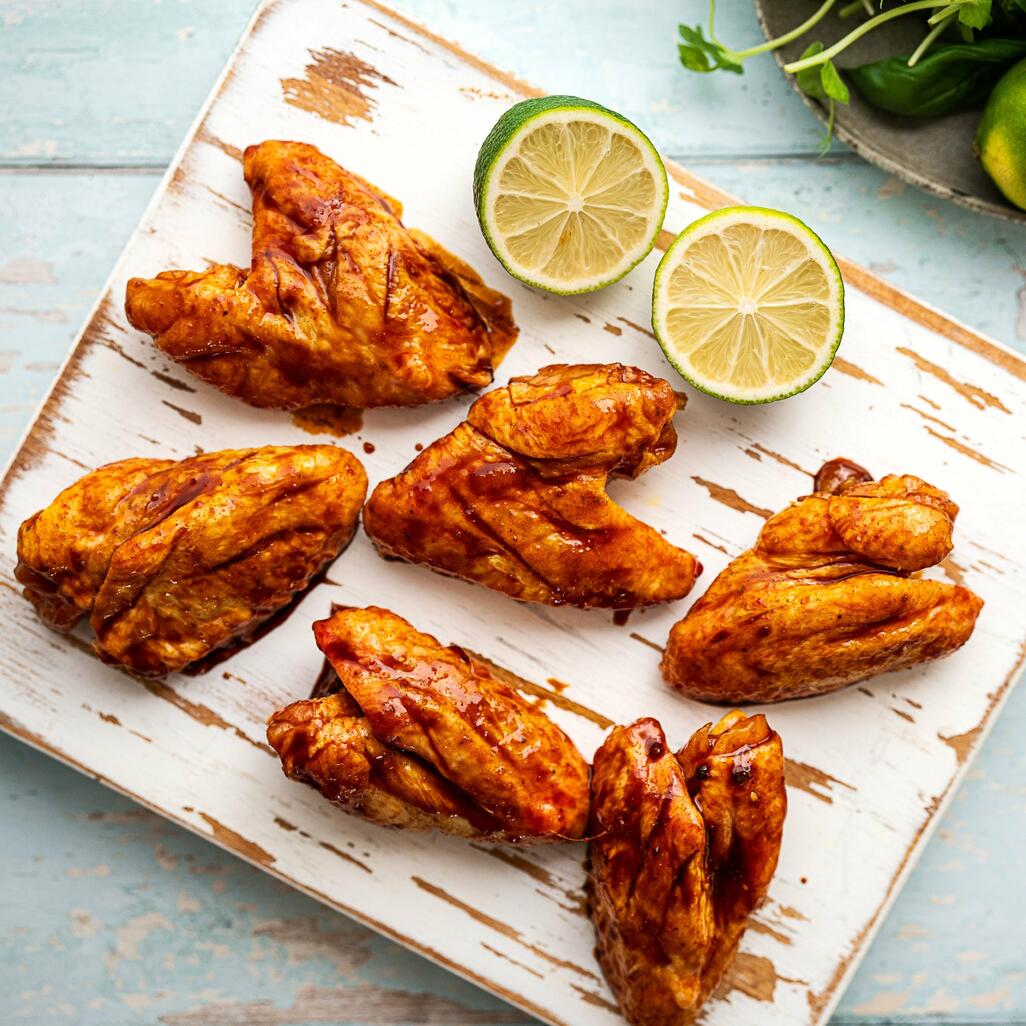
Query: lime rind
x,y
764,217
1000,137
502,144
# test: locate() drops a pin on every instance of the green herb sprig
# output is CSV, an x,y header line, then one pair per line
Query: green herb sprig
x,y
932,79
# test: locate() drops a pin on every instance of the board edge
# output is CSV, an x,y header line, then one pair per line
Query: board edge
x,y
228,844
705,194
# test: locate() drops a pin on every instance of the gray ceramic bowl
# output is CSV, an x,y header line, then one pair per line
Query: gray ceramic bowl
x,y
935,154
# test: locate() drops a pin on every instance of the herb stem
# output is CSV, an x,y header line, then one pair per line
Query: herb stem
x,y
788,37
832,117
867,26
946,13
929,39
854,7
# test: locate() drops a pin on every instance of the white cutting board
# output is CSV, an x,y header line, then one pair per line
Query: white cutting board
x,y
870,768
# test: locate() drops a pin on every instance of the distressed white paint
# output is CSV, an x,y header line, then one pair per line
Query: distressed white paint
x,y
840,859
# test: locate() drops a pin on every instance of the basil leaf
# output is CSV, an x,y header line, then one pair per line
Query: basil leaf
x,y
948,78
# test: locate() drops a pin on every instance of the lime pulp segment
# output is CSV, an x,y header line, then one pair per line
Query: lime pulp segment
x,y
748,305
571,198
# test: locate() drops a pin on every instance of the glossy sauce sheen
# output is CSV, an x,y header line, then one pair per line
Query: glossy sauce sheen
x,y
837,474
476,758
179,564
460,804
683,849
514,498
826,597
342,303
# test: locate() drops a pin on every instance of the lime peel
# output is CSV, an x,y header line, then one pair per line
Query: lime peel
x,y
569,195
1001,136
748,305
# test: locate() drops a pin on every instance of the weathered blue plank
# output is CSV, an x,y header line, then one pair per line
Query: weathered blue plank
x,y
111,82
71,62
173,929
150,923
147,922
59,238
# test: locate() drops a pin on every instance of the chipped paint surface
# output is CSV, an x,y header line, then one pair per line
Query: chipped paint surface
x,y
854,371
978,397
553,693
549,942
730,498
957,958
812,781
336,86
326,419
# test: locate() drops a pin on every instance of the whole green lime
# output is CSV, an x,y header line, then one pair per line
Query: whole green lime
x,y
1001,139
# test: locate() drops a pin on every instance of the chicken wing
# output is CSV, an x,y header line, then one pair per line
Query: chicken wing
x,y
173,561
827,597
419,735
684,847
514,498
342,304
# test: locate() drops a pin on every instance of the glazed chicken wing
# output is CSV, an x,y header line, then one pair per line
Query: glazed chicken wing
x,y
514,498
684,847
419,735
172,560
342,304
826,597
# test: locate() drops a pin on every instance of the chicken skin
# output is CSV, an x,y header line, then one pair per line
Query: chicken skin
x,y
175,560
684,847
408,733
514,498
342,303
827,597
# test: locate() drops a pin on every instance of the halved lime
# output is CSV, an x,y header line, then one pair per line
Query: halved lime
x,y
748,305
570,195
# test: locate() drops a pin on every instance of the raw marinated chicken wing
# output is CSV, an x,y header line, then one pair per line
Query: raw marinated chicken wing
x,y
683,849
423,736
342,304
827,597
172,561
514,498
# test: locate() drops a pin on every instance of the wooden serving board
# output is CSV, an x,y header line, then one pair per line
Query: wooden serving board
x,y
869,768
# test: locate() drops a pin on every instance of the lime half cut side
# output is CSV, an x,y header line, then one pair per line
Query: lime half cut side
x,y
569,195
748,305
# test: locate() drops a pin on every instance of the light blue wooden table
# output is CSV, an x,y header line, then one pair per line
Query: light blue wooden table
x,y
108,915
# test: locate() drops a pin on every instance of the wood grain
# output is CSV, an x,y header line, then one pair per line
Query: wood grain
x,y
171,53
550,940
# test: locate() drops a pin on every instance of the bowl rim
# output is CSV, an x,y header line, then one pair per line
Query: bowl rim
x,y
868,151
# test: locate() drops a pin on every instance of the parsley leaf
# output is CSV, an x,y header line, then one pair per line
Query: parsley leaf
x,y
833,84
810,80
975,15
823,82
700,54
